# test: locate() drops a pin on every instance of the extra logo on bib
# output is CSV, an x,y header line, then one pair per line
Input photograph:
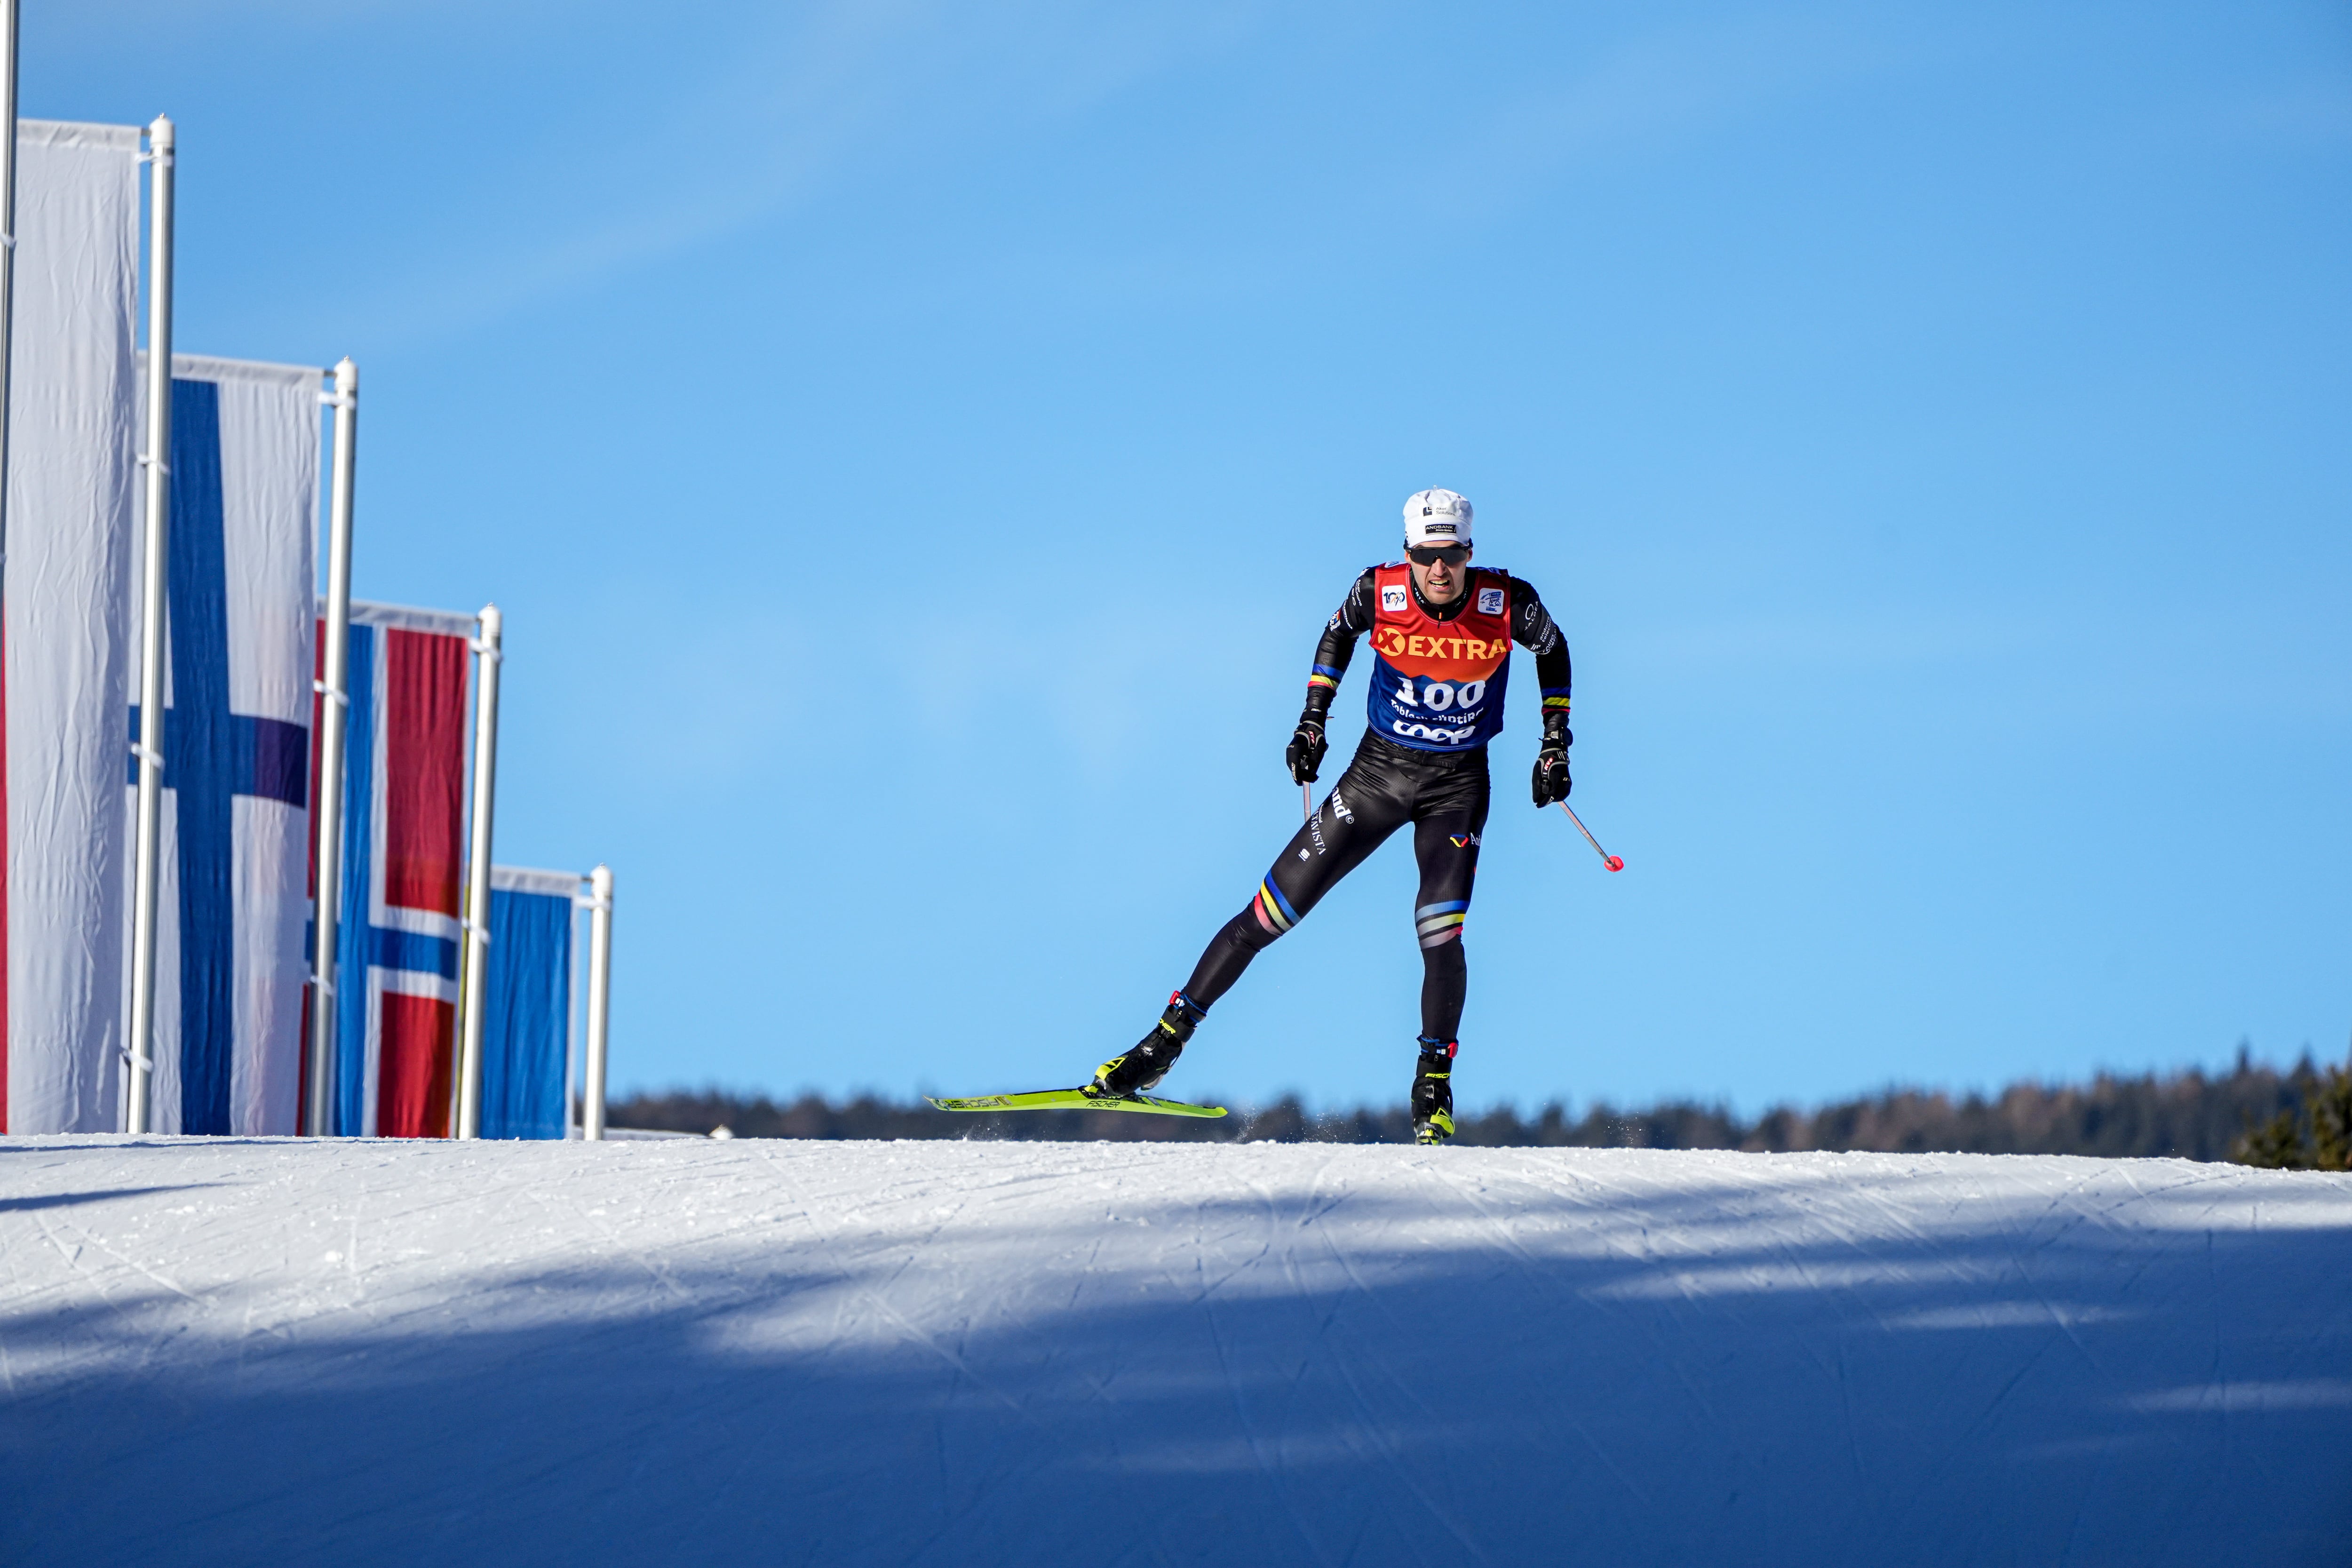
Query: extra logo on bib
x,y
1438,684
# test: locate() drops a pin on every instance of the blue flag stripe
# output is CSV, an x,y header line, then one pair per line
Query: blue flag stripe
x,y
353,931
392,948
269,758
200,759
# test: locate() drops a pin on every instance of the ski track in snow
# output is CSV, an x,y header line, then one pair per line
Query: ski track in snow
x,y
220,1350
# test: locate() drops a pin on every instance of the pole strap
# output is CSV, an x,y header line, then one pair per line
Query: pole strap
x,y
147,753
487,649
320,688
337,399
590,901
147,462
480,933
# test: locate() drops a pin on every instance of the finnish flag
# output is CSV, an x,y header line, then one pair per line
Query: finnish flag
x,y
233,895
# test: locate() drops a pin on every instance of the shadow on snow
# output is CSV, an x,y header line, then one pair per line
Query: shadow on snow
x,y
2056,1392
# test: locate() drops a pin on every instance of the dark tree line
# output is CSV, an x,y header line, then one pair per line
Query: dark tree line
x,y
2314,1136
2254,1113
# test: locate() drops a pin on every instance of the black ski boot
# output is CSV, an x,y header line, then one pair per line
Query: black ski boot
x,y
1432,1092
1125,1077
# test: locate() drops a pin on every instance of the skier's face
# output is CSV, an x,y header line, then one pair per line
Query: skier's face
x,y
1439,583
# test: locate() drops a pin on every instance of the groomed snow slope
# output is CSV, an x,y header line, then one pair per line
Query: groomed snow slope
x,y
226,1350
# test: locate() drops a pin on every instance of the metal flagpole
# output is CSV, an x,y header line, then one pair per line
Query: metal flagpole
x,y
334,714
155,604
471,993
599,999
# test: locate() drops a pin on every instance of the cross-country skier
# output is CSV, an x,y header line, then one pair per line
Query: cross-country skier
x,y
1440,631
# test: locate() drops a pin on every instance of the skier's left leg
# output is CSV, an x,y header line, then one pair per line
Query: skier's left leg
x,y
1372,799
1445,842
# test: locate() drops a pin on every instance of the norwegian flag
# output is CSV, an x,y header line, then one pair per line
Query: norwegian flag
x,y
397,947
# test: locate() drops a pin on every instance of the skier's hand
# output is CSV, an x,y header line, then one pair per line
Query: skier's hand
x,y
1551,782
1304,753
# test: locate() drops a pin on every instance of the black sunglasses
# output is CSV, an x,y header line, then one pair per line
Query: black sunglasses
x,y
1431,554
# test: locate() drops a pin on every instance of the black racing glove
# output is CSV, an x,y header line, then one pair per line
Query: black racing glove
x,y
1305,752
1551,781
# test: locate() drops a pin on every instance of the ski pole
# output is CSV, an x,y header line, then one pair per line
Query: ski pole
x,y
1306,801
1611,861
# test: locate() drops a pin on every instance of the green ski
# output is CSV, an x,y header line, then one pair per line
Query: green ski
x,y
1076,1099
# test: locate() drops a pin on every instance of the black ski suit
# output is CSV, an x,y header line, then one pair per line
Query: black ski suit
x,y
1443,793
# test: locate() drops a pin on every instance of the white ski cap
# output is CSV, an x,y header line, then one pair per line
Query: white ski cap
x,y
1437,517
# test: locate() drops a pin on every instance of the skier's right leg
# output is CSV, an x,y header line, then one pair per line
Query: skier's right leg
x,y
1370,801
1451,814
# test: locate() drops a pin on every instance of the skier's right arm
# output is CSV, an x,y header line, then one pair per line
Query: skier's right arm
x,y
1332,652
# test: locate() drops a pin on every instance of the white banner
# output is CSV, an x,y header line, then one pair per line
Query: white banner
x,y
233,897
72,447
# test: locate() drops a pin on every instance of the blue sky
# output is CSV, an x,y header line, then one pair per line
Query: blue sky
x,y
917,444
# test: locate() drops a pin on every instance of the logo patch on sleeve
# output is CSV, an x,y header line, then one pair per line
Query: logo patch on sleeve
x,y
1392,597
1490,601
